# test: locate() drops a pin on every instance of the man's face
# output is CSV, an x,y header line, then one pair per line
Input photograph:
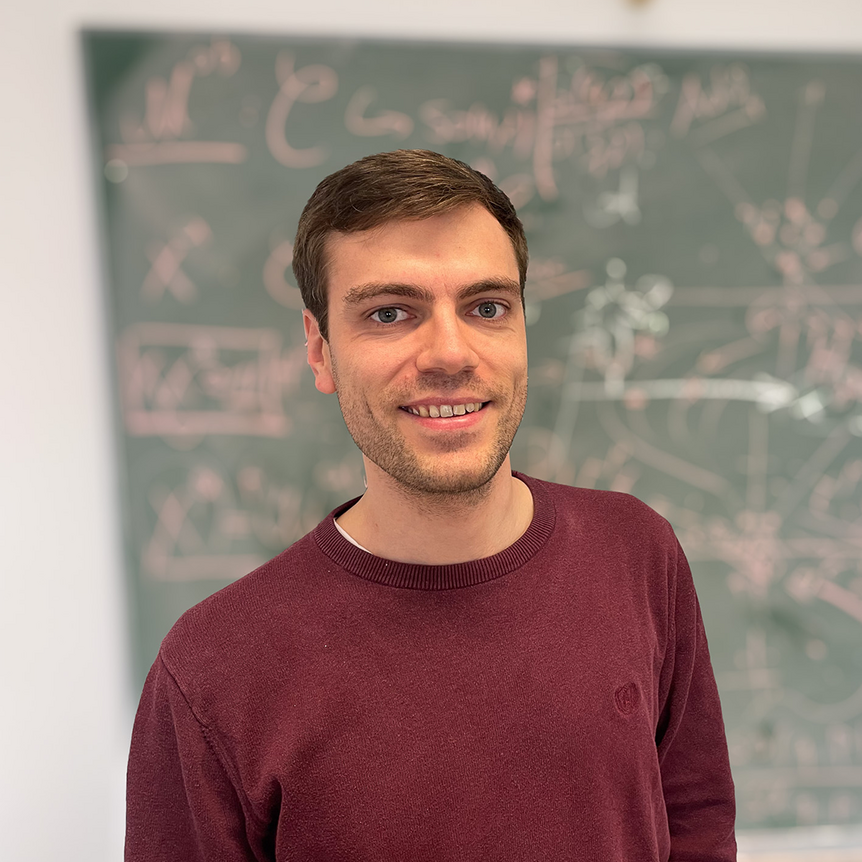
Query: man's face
x,y
427,347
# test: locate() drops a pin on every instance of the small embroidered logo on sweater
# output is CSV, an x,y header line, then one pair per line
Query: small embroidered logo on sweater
x,y
627,697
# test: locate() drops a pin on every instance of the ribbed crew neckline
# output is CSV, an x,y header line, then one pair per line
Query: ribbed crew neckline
x,y
421,577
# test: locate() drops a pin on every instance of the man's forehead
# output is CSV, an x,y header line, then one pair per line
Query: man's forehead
x,y
414,224
439,230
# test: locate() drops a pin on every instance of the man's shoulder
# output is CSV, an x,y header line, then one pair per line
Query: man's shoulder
x,y
609,508
238,619
633,546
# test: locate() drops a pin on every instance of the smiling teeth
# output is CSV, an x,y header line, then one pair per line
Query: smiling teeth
x,y
444,411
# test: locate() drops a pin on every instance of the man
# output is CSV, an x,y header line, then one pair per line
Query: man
x,y
465,663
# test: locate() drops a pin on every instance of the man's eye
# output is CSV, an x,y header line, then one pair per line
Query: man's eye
x,y
388,315
490,310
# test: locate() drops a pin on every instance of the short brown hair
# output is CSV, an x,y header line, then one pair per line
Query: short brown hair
x,y
404,184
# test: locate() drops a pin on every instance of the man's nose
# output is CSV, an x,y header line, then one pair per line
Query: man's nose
x,y
447,345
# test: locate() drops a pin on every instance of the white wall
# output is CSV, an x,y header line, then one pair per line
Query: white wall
x,y
66,699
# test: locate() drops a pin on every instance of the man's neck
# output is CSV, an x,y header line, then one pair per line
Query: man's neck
x,y
433,529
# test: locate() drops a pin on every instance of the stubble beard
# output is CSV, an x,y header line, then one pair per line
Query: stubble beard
x,y
384,445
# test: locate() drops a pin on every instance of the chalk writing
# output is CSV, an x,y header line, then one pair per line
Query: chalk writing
x,y
165,272
358,122
162,137
181,380
724,106
310,84
596,118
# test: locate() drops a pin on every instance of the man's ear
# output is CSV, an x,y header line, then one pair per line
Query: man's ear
x,y
317,351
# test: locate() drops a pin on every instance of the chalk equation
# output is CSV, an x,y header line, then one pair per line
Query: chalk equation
x,y
190,381
723,103
165,133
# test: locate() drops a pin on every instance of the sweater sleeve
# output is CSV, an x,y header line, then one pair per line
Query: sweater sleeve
x,y
181,802
692,749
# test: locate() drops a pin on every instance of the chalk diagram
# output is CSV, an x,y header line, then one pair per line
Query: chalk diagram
x,y
668,376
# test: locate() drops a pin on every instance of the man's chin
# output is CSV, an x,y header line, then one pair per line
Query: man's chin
x,y
451,480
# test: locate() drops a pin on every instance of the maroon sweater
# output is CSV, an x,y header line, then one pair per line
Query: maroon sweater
x,y
552,702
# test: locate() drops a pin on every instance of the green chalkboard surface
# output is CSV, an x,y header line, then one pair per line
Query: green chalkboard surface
x,y
694,311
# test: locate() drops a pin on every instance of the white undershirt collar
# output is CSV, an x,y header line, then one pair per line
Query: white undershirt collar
x,y
350,538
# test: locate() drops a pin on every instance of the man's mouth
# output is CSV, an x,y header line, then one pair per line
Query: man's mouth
x,y
444,411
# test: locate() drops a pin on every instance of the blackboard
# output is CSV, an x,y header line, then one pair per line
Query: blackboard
x,y
694,308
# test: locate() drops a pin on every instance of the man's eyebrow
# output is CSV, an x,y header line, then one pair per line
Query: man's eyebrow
x,y
364,292
491,285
